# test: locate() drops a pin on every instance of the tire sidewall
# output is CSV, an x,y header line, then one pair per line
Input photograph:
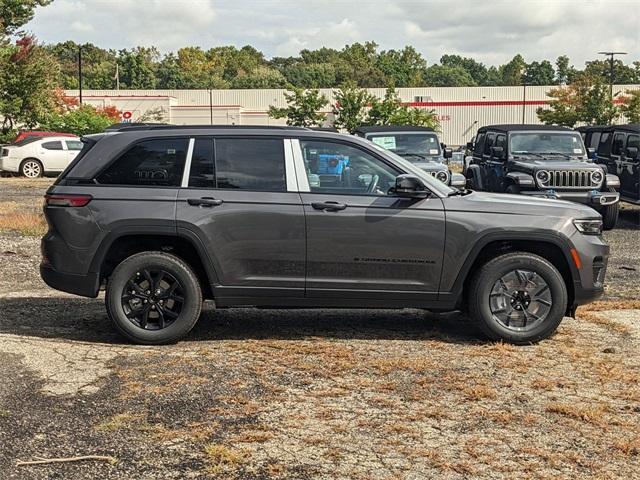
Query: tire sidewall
x,y
190,310
549,274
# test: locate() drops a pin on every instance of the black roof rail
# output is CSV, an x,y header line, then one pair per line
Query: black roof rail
x,y
121,127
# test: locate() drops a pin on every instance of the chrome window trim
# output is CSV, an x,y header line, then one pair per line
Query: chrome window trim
x,y
299,166
187,164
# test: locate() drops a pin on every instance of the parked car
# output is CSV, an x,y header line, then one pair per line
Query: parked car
x,y
166,216
617,148
419,145
542,161
36,157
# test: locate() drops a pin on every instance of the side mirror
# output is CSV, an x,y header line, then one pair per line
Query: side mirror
x,y
458,180
469,145
632,152
448,152
497,152
408,186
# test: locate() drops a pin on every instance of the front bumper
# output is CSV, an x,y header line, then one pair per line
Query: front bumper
x,y
593,198
593,253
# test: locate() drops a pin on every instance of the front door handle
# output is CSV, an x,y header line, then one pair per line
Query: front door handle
x,y
328,206
204,202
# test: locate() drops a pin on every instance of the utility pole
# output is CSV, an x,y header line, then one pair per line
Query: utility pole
x,y
524,101
80,71
611,55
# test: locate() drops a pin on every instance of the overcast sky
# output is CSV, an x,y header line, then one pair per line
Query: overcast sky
x,y
491,32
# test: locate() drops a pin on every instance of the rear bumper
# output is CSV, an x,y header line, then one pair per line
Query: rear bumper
x,y
83,285
593,198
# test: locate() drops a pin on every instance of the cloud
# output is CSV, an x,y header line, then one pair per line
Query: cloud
x,y
490,32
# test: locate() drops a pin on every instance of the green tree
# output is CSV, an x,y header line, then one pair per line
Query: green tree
x,y
169,75
585,100
201,69
403,68
137,67
310,75
350,106
303,108
447,76
391,111
564,71
476,70
512,73
539,73
98,65
28,79
82,120
15,13
260,77
630,107
358,63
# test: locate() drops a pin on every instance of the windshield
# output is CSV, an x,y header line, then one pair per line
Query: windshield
x,y
421,144
431,182
562,143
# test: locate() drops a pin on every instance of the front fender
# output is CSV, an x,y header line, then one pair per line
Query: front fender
x,y
520,178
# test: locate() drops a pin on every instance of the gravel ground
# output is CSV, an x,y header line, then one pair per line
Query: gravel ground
x,y
266,394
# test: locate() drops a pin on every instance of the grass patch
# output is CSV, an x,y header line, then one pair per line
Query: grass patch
x,y
119,422
222,459
587,413
30,224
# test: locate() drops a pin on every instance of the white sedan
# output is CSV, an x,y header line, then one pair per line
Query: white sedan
x,y
34,158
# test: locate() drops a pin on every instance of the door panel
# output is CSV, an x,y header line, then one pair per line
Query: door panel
x,y
630,170
376,243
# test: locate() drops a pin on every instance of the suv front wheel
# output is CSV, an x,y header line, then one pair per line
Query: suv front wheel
x,y
153,298
518,297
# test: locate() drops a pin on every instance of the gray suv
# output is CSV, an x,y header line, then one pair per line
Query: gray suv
x,y
165,216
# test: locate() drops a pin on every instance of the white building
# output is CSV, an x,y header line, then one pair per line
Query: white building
x,y
461,110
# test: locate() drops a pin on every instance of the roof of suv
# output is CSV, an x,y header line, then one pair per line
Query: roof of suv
x,y
123,127
392,128
629,127
524,127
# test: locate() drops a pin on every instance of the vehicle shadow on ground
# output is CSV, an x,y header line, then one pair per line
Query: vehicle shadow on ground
x,y
629,219
85,320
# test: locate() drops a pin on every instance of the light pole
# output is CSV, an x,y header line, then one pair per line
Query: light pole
x,y
524,101
80,71
611,55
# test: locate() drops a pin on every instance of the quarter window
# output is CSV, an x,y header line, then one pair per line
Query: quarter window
x,y
158,162
618,144
250,164
342,169
57,145
633,141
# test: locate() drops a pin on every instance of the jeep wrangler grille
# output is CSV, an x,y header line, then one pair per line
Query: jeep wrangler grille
x,y
571,179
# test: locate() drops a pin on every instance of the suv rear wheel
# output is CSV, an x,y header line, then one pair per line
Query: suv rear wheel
x,y
518,297
153,298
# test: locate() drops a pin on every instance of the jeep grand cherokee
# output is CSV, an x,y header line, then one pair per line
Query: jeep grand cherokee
x,y
165,216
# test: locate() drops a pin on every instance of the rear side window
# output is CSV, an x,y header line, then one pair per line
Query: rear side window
x,y
52,145
633,141
158,162
202,173
603,148
250,164
74,144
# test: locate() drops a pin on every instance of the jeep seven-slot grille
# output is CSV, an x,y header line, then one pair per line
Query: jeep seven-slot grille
x,y
571,179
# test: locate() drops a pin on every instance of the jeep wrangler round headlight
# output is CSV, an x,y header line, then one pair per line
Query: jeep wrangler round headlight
x,y
543,176
442,176
597,177
589,227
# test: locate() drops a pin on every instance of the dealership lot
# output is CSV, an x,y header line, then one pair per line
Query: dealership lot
x,y
322,394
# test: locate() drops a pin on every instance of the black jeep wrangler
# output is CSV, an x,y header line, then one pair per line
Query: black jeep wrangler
x,y
419,145
544,161
617,147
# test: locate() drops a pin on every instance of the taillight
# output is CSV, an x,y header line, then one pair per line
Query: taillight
x,y
5,152
66,200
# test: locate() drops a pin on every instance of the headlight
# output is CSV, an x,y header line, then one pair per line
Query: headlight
x,y
543,176
597,176
589,227
442,176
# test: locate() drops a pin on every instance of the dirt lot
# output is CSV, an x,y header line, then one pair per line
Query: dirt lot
x,y
311,394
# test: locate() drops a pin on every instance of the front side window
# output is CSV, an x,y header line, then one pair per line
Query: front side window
x,y
488,143
595,139
602,146
250,164
57,145
479,144
158,162
560,143
343,169
618,144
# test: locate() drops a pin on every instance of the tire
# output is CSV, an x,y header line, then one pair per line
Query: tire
x,y
485,293
31,168
513,189
179,316
610,215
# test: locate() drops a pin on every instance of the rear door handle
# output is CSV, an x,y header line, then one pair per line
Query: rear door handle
x,y
328,206
204,202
